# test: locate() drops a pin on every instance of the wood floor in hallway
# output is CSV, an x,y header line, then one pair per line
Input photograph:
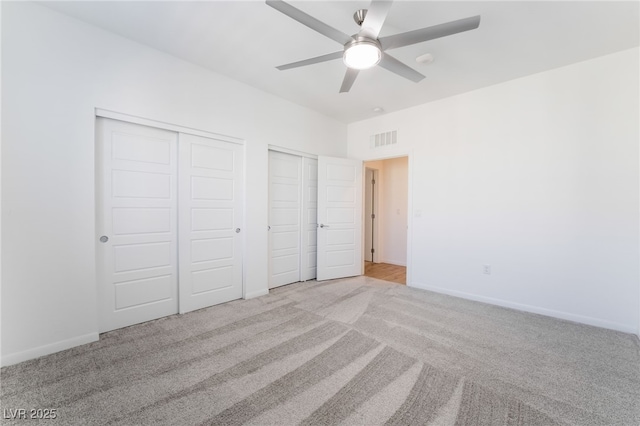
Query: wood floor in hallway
x,y
385,271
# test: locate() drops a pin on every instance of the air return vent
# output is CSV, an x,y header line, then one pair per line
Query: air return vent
x,y
384,139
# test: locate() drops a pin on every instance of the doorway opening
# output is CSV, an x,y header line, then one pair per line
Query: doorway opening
x,y
386,219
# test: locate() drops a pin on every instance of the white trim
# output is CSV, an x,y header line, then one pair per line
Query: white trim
x,y
1,210
292,152
51,348
363,243
166,126
410,215
532,309
258,293
244,222
381,157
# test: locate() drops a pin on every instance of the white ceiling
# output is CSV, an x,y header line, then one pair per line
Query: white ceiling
x,y
246,40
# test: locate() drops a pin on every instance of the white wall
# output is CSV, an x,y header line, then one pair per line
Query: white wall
x,y
56,71
537,177
394,211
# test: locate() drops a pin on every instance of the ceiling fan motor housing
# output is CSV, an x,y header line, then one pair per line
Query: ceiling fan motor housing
x,y
358,39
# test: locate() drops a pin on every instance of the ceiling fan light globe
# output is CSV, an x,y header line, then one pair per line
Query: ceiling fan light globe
x,y
361,56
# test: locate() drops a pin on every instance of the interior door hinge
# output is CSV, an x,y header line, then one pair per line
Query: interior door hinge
x,y
373,215
373,181
373,250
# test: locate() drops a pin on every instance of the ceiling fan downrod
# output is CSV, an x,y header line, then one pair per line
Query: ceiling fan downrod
x,y
359,16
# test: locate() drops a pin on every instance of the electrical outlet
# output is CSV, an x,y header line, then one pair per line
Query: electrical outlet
x,y
486,269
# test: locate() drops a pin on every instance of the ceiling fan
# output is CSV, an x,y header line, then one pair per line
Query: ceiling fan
x,y
364,49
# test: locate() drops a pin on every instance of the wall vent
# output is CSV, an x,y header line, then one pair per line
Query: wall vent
x,y
384,139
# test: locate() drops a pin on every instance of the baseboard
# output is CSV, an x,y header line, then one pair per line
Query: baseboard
x,y
258,293
528,308
394,262
51,348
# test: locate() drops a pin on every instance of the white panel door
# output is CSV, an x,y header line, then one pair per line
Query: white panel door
x,y
340,218
285,204
210,221
136,223
309,251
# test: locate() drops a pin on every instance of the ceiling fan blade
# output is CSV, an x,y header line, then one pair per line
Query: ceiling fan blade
x,y
390,63
349,78
310,61
376,14
310,21
429,33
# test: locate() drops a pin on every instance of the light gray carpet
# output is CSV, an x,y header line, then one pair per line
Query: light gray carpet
x,y
354,351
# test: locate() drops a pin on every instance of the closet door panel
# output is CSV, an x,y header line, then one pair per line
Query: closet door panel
x,y
210,221
285,204
136,223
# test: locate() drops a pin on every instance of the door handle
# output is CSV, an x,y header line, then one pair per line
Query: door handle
x,y
322,225
237,230
104,239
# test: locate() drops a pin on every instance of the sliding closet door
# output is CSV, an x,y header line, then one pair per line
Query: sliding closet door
x,y
309,250
136,223
210,224
285,204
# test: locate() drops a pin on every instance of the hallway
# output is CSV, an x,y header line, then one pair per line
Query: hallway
x,y
385,271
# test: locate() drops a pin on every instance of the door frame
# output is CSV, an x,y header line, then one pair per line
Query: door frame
x,y
99,112
410,213
105,113
291,151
